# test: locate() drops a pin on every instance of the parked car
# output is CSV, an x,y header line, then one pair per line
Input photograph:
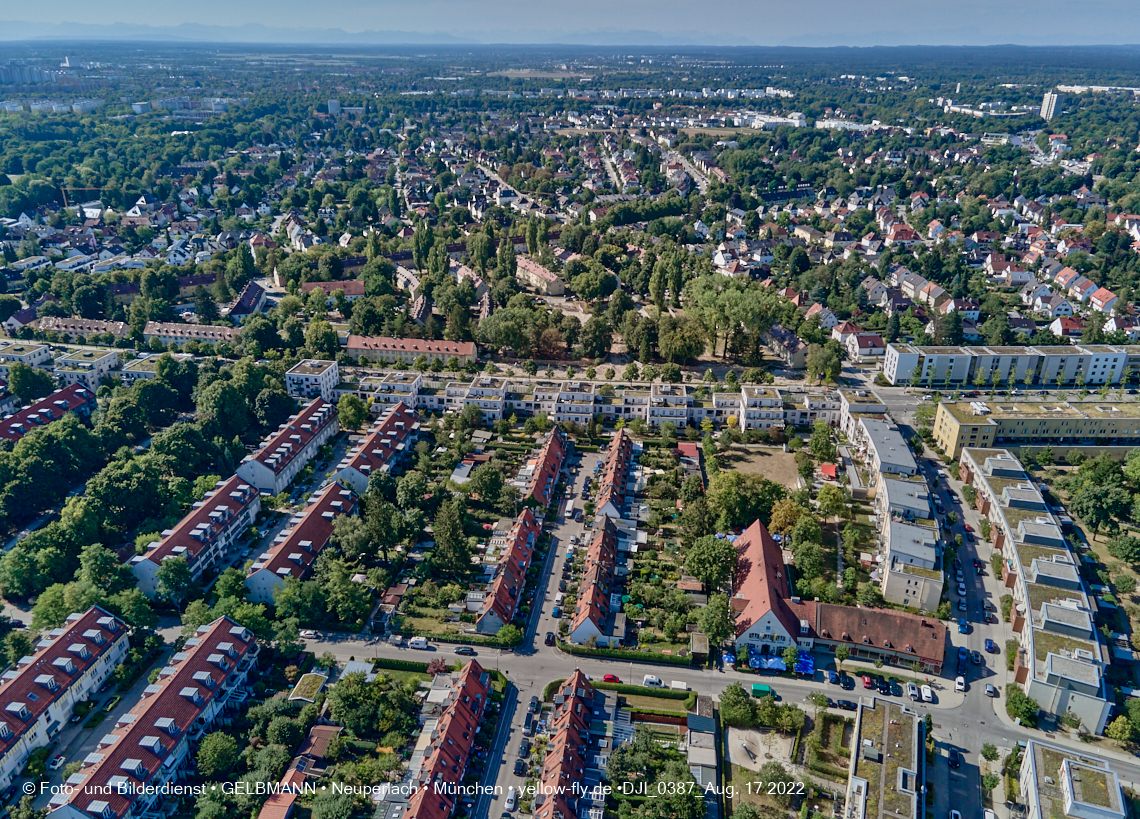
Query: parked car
x,y
652,681
927,694
963,626
56,763
846,705
308,634
534,705
961,605
524,749
976,657
959,683
549,638
513,802
990,690
611,678
867,683
109,706
912,691
556,613
466,651
520,767
991,646
961,589
967,527
955,760
832,677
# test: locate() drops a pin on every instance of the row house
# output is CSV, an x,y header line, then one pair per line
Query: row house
x,y
384,449
352,289
539,277
172,333
614,478
597,615
153,744
1061,660
447,741
539,475
206,537
39,692
505,590
286,452
296,548
75,398
408,350
72,328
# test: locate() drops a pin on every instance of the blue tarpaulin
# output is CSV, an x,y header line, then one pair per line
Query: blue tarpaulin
x,y
729,659
805,664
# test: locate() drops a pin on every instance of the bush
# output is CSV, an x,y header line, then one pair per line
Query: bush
x,y
643,691
1006,606
1011,649
400,665
1126,584
996,563
1020,705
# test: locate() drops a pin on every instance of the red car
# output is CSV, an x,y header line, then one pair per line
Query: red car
x,y
966,526
611,678
867,682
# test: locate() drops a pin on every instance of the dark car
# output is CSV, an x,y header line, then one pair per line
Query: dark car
x,y
976,657
847,683
549,638
524,749
954,758
832,678
883,685
963,653
7,794
561,585
520,769
846,705
534,705
466,651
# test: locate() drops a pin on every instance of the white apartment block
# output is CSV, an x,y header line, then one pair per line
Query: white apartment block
x,y
38,694
286,452
153,744
206,536
1059,783
911,571
86,367
142,369
1044,366
312,378
29,353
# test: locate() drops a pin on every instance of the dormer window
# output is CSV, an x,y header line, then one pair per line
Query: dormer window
x,y
79,649
191,693
48,682
204,678
167,725
5,731
19,709
152,744
101,810
135,767
95,636
64,664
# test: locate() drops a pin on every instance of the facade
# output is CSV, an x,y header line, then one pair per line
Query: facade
x,y
979,367
1051,105
142,369
86,367
613,481
72,328
384,448
38,693
984,424
786,346
206,536
250,302
1061,659
74,398
538,277
407,350
153,744
30,353
286,452
911,571
854,404
887,451
887,774
487,393
312,378
505,590
1059,782
172,333
296,548
353,289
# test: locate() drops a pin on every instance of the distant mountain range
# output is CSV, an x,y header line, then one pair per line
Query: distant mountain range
x,y
256,33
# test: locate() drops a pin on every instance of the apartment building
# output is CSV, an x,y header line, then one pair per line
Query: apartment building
x,y
1058,782
613,481
153,744
887,772
786,346
296,548
407,350
206,537
312,378
74,398
884,447
539,475
761,408
172,333
1060,660
384,448
984,424
38,693
1047,366
911,572
394,388
142,369
505,590
439,761
69,329
286,452
485,392
595,616
29,353
538,277
86,367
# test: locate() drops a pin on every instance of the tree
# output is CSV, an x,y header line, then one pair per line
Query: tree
x,y
841,654
353,412
833,500
1021,706
784,516
204,306
217,755
174,580
989,752
736,707
452,554
29,383
1120,729
791,656
17,644
824,362
509,635
321,339
1125,548
711,560
597,336
715,620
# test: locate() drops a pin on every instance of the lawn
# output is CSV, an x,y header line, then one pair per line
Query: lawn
x,y
773,464
641,703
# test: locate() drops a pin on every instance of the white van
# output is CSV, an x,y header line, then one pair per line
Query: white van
x,y
558,598
652,682
912,691
418,642
677,685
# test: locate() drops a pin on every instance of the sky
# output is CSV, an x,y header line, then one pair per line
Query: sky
x,y
727,22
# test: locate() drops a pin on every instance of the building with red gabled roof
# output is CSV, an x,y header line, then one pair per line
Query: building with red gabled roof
x,y
383,449
506,588
153,743
540,473
206,536
38,693
296,548
76,398
564,766
386,348
592,617
614,477
286,452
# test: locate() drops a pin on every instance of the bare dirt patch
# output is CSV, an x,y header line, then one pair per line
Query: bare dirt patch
x,y
771,462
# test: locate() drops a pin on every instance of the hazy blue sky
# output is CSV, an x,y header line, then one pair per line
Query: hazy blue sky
x,y
763,22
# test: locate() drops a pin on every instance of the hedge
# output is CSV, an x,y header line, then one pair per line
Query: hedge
x,y
401,665
624,654
643,691
551,687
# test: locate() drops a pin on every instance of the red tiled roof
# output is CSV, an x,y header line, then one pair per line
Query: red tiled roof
x,y
760,583
357,344
211,516
60,659
282,447
546,468
46,410
594,590
143,739
510,578
387,438
615,473
296,549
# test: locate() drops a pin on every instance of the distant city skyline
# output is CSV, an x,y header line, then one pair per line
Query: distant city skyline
x,y
605,22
